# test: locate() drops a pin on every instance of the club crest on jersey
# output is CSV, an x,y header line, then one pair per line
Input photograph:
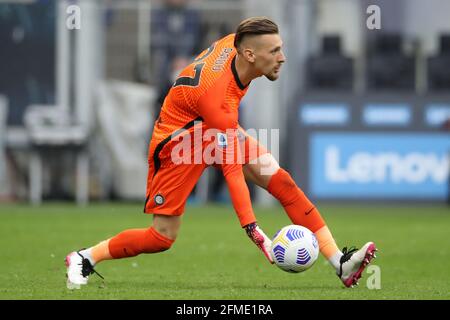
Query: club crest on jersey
x,y
159,199
222,139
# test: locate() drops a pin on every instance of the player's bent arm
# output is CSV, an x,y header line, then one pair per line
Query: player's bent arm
x,y
240,196
216,113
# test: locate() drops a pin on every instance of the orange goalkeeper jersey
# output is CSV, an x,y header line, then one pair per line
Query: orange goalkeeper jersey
x,y
208,88
207,93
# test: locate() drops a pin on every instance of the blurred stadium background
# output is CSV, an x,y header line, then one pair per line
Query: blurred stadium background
x,y
363,115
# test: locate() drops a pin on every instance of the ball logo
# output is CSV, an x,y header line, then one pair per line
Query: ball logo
x,y
293,234
314,242
159,199
278,252
279,237
303,256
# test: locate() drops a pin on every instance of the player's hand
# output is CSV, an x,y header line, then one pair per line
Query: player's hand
x,y
260,239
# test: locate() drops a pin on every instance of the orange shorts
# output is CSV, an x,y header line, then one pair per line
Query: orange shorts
x,y
170,186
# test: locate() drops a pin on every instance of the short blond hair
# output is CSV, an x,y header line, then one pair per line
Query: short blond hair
x,y
252,27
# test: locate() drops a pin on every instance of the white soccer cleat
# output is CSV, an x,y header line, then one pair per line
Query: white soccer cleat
x,y
78,270
353,262
74,273
260,239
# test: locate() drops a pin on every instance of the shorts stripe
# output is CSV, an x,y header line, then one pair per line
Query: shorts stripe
x,y
160,146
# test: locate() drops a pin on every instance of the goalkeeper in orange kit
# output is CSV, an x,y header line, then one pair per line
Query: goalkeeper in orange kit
x,y
205,98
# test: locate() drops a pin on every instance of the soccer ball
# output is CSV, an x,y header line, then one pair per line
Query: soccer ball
x,y
294,248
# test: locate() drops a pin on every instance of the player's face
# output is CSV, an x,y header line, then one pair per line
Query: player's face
x,y
268,56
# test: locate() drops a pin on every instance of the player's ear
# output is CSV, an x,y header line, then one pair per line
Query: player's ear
x,y
249,55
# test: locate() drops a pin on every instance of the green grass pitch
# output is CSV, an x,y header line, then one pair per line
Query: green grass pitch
x,y
213,258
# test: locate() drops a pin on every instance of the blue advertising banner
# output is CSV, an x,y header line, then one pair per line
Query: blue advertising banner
x,y
437,113
379,165
395,114
324,114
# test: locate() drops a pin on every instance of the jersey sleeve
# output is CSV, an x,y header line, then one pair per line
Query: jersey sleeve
x,y
234,177
214,108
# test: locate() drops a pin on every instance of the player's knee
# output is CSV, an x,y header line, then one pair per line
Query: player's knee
x,y
263,170
155,242
286,180
284,188
160,246
166,246
167,232
167,226
281,181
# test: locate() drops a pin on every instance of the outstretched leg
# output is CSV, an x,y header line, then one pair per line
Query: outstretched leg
x,y
129,243
266,173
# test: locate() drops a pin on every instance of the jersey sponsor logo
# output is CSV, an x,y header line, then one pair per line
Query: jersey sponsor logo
x,y
159,199
222,139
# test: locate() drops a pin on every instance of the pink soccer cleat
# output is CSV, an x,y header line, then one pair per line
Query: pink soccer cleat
x,y
353,262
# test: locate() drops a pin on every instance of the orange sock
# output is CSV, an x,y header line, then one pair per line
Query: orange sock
x,y
297,206
100,252
132,242
302,212
328,246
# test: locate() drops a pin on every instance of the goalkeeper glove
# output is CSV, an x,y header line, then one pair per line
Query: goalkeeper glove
x,y
260,239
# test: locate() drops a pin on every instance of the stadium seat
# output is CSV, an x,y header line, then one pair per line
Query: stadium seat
x,y
439,66
388,67
51,132
330,69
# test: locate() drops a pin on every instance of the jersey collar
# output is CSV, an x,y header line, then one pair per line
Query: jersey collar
x,y
235,74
